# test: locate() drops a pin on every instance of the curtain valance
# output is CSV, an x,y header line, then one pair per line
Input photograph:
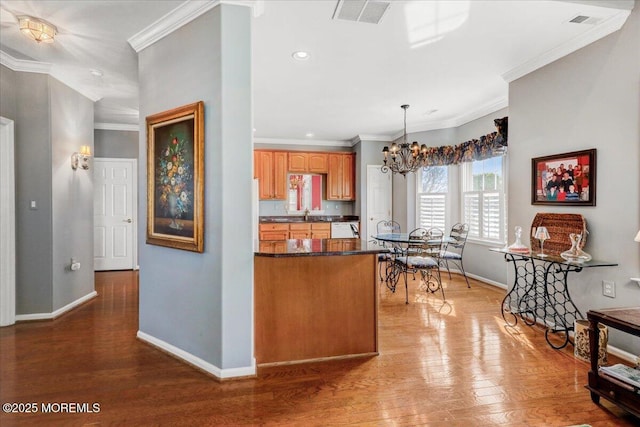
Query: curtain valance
x,y
491,145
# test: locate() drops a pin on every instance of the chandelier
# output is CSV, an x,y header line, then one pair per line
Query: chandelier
x,y
37,29
404,157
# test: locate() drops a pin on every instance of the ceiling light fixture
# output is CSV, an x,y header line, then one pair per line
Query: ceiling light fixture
x,y
404,157
96,73
300,55
37,29
309,134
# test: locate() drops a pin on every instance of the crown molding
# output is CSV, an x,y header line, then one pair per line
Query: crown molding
x,y
455,122
116,126
182,15
381,138
26,66
29,66
318,142
610,25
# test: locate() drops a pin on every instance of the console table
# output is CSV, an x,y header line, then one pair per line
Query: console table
x,y
540,294
624,319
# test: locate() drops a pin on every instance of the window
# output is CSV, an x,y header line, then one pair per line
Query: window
x,y
432,193
483,199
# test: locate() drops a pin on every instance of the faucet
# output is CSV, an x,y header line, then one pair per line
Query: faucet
x,y
306,214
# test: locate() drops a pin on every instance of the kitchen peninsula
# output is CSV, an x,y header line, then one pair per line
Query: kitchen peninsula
x,y
315,299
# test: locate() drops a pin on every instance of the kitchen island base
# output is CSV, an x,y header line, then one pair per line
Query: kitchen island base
x,y
310,308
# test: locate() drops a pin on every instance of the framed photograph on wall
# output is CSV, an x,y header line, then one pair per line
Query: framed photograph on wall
x,y
175,178
564,179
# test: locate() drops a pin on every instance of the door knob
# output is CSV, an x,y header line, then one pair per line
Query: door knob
x,y
127,220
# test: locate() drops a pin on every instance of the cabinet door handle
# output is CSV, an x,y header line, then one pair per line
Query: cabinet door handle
x,y
127,220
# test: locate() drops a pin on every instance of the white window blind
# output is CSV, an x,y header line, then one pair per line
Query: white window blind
x,y
483,199
432,197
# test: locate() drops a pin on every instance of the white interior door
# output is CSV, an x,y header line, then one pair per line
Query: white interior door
x,y
114,214
379,198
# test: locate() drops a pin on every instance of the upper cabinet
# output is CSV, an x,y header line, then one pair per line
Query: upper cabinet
x,y
302,162
341,176
270,168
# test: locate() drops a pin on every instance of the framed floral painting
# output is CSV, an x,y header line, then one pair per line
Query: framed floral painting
x,y
175,178
564,179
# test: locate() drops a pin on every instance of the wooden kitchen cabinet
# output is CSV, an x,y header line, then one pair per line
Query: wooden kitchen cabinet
x,y
320,230
295,230
341,177
270,168
304,162
300,231
274,231
318,162
298,162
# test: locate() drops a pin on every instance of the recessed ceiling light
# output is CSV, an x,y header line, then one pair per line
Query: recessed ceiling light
x,y
300,55
309,134
96,72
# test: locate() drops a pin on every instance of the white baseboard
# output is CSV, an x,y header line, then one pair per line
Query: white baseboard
x,y
59,312
624,355
196,361
475,276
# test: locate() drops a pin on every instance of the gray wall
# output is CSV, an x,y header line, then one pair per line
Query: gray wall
x,y
51,122
117,144
203,303
589,99
72,195
34,280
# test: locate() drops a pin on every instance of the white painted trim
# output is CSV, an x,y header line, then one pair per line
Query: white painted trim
x,y
196,361
612,24
319,142
28,66
624,355
24,65
381,138
443,270
116,126
7,224
59,312
182,15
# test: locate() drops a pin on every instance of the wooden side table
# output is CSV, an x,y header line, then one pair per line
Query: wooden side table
x,y
626,320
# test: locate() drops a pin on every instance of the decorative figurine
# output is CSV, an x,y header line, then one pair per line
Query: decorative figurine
x,y
575,254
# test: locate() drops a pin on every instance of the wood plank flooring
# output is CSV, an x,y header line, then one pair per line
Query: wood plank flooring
x,y
440,364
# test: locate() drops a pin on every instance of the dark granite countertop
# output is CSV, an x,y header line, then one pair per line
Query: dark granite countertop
x,y
311,218
317,247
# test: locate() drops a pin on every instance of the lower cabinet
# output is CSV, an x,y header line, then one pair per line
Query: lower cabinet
x,y
296,230
274,231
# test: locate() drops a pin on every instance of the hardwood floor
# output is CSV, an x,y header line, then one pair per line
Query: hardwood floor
x,y
452,364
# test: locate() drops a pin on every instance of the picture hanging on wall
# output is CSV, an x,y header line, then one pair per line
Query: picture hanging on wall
x,y
564,179
175,178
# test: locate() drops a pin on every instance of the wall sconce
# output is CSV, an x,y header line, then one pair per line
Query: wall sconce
x,y
82,158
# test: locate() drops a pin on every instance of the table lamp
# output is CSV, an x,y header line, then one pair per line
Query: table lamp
x,y
542,234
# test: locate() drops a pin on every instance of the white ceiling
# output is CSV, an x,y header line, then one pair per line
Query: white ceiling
x,y
450,60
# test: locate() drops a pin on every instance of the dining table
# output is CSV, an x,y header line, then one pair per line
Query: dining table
x,y
401,245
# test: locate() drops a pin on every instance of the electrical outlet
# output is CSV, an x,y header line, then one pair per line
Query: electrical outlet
x,y
609,288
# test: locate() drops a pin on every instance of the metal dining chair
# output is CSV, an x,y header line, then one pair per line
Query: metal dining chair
x,y
423,256
385,260
453,249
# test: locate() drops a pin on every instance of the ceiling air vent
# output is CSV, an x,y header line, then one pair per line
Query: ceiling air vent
x,y
370,11
582,19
